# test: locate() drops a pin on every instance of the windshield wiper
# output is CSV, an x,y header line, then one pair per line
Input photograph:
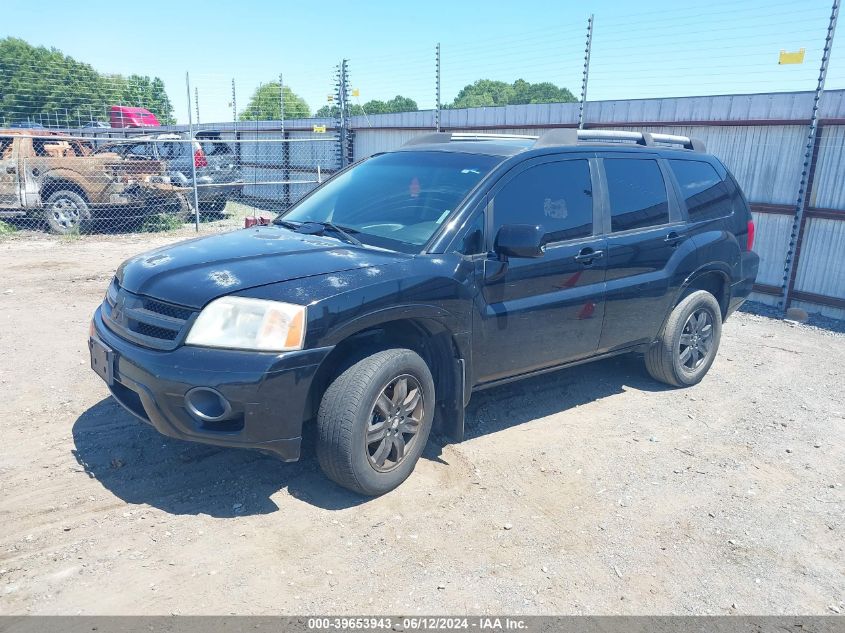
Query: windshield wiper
x,y
342,232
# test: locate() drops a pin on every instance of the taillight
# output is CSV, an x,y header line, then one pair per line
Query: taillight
x,y
749,242
199,158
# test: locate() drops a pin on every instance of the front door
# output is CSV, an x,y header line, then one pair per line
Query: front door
x,y
10,191
544,311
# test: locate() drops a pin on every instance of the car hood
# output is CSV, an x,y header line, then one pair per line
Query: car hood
x,y
194,272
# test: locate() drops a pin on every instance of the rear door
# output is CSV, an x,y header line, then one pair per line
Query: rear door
x,y
10,191
644,231
541,312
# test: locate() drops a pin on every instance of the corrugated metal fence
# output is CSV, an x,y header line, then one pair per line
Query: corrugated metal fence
x,y
760,137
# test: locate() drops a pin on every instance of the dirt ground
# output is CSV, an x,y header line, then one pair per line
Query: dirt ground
x,y
590,490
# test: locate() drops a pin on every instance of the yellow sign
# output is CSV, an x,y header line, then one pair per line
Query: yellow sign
x,y
791,58
329,98
320,129
356,92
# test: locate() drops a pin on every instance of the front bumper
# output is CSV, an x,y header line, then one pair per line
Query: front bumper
x,y
269,394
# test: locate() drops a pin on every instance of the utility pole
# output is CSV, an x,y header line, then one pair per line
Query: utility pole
x,y
796,235
437,88
586,76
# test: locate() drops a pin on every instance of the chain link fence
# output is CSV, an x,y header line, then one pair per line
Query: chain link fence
x,y
73,182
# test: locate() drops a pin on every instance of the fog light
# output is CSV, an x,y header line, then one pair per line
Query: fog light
x,y
207,404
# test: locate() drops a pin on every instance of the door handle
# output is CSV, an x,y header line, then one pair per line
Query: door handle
x,y
587,255
674,238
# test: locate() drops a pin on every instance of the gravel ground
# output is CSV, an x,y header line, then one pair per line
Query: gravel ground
x,y
590,490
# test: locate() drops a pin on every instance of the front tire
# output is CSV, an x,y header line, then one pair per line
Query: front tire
x,y
67,212
374,421
687,346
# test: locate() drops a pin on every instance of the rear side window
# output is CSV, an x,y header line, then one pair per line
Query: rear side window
x,y
557,196
637,193
704,192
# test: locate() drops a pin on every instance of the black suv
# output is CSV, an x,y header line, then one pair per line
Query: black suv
x,y
383,299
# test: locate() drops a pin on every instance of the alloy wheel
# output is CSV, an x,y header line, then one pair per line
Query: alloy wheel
x,y
395,420
696,342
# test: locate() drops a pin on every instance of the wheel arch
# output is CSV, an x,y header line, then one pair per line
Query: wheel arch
x,y
423,332
52,184
713,278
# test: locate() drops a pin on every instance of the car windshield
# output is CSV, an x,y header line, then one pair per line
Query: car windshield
x,y
395,201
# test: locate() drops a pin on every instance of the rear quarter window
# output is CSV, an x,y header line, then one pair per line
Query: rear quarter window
x,y
704,192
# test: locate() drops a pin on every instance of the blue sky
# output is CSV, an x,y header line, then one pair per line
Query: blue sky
x,y
649,48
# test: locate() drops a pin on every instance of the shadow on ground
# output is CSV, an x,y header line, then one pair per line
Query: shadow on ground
x,y
136,463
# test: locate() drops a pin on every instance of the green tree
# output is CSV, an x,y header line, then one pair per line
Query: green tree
x,y
37,81
374,106
487,92
265,104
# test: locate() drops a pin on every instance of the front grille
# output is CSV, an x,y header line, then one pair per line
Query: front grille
x,y
167,309
143,320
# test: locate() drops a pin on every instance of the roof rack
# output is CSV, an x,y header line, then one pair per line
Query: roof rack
x,y
566,136
445,137
571,136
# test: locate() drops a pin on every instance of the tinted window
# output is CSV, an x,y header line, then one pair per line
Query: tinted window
x,y
637,193
558,196
396,200
473,241
705,193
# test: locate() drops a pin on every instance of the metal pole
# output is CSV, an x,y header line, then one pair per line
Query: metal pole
x,y
586,76
197,103
798,220
193,160
282,101
437,89
234,103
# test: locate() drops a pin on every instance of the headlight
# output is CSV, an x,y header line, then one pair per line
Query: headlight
x,y
256,324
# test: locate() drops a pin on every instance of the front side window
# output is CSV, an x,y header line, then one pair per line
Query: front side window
x,y
704,192
557,196
637,192
395,200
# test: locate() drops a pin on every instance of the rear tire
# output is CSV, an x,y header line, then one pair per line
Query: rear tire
x,y
66,212
687,345
374,421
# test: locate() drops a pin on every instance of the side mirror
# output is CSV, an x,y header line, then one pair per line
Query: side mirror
x,y
520,240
